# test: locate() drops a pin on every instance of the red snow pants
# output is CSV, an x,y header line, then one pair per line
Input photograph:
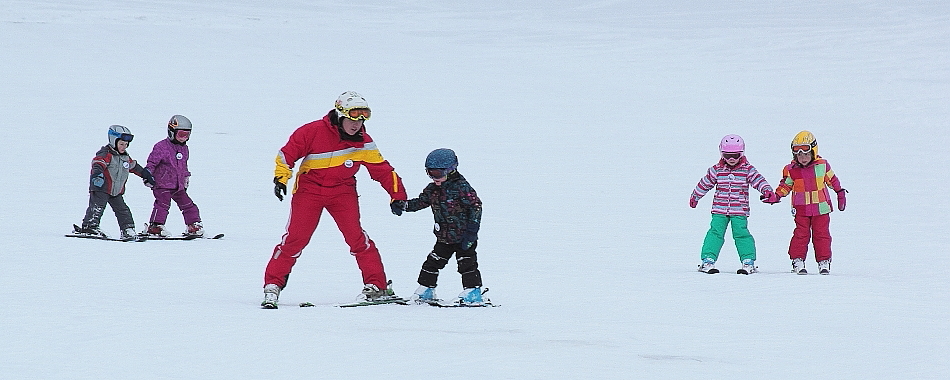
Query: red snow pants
x,y
305,211
814,228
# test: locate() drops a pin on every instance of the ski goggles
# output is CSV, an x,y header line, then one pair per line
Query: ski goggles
x,y
127,137
798,149
183,134
437,173
734,156
357,113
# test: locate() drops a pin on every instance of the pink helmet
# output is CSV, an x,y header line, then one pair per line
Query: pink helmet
x,y
732,144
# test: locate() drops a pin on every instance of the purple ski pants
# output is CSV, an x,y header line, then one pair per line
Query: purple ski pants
x,y
163,198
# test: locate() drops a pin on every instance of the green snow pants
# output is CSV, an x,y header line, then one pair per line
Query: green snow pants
x,y
715,237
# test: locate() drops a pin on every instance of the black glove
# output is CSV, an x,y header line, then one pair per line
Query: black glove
x,y
148,179
468,239
398,207
280,189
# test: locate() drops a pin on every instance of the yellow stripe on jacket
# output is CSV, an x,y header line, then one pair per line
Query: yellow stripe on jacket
x,y
368,154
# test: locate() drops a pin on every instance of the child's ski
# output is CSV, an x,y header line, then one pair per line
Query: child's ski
x,y
397,301
183,237
439,303
82,236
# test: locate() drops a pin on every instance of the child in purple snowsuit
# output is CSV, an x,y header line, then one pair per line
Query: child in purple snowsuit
x,y
168,163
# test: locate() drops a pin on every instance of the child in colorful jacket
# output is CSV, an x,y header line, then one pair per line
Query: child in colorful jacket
x,y
169,164
458,214
731,177
110,171
807,179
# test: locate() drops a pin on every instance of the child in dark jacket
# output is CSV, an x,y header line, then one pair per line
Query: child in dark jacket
x,y
110,171
458,213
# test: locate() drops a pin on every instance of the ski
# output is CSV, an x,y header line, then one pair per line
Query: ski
x,y
82,236
439,303
76,234
396,301
183,237
399,301
271,305
711,271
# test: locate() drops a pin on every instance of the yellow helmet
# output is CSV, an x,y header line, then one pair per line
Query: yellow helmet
x,y
804,141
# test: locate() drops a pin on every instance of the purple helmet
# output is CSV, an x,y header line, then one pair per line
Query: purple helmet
x,y
732,144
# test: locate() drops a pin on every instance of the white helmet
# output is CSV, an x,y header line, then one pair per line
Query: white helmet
x,y
352,105
177,123
118,132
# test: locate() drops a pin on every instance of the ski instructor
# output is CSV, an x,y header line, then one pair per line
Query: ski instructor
x,y
332,150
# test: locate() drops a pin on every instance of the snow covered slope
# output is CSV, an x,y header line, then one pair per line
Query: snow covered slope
x,y
583,125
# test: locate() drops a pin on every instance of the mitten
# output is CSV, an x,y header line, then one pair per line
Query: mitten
x,y
280,188
842,201
148,179
469,237
693,202
770,197
397,207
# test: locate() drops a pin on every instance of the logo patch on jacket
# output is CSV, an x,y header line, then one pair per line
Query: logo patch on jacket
x,y
348,163
179,156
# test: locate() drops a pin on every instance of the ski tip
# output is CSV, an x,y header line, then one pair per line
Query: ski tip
x,y
218,236
306,304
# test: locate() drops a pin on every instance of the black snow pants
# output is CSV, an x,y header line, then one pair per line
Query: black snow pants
x,y
97,205
440,255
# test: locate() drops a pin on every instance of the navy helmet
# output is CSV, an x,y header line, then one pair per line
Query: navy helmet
x,y
441,162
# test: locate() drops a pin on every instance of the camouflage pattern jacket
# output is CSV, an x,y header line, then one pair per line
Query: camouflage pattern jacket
x,y
455,206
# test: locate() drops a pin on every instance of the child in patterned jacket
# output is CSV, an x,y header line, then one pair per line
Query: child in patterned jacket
x,y
807,179
458,213
731,177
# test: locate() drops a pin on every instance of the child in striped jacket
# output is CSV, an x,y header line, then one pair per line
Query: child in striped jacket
x,y
731,177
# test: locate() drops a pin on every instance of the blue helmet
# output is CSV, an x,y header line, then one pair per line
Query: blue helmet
x,y
441,162
442,158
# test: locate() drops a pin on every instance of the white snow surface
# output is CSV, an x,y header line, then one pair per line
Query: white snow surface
x,y
584,126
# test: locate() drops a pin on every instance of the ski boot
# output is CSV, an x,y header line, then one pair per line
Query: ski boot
x,y
824,267
195,230
798,266
708,266
748,267
471,297
372,293
271,292
129,234
424,294
89,230
156,230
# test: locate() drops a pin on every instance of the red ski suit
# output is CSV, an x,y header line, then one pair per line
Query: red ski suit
x,y
326,180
